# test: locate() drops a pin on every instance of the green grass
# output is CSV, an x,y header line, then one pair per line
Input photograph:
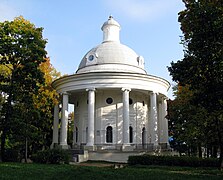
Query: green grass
x,y
62,172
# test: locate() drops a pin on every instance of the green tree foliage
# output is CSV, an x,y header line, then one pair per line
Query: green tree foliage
x,y
202,65
44,103
22,50
187,123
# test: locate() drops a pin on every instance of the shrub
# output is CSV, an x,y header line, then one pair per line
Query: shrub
x,y
51,156
173,161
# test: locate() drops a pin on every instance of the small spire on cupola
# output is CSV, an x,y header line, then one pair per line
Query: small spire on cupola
x,y
111,30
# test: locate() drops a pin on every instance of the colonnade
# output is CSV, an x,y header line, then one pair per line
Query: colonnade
x,y
158,130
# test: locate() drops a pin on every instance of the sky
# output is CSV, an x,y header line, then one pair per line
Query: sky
x,y
73,27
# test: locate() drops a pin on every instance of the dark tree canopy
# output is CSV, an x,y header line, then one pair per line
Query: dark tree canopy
x,y
202,65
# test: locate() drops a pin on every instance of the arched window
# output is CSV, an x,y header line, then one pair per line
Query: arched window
x,y
143,137
130,134
86,134
109,134
130,101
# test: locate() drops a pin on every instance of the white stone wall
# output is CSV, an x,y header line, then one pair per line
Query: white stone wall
x,y
112,115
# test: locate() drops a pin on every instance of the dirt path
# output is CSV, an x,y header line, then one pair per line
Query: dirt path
x,y
115,165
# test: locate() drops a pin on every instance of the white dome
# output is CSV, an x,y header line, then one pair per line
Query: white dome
x,y
111,55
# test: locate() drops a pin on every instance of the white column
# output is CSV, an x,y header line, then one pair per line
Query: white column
x,y
119,125
160,122
126,115
55,125
154,122
64,121
91,109
165,121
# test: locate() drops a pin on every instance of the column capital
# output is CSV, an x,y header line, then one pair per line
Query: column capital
x,y
90,89
154,92
65,93
165,98
126,89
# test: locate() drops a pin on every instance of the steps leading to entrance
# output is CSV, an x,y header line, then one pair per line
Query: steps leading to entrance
x,y
78,155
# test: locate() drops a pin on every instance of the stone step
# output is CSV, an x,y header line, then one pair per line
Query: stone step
x,y
76,151
77,155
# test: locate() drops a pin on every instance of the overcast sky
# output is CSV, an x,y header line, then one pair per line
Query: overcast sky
x,y
73,27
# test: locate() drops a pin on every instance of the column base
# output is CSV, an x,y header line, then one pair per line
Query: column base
x,y
164,146
65,146
127,147
157,149
90,148
118,147
75,146
54,145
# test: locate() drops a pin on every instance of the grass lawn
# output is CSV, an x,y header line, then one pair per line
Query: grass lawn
x,y
62,172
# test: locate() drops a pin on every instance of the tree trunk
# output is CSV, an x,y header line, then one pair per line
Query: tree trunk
x,y
220,143
221,157
199,151
3,137
214,151
26,150
6,124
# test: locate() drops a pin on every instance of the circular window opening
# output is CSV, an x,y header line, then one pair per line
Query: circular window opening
x,y
91,58
130,101
109,100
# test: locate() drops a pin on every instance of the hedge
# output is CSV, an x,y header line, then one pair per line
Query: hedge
x,y
51,156
173,161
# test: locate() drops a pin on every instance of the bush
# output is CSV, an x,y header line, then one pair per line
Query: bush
x,y
173,161
51,156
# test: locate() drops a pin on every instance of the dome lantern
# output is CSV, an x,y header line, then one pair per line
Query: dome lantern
x,y
111,30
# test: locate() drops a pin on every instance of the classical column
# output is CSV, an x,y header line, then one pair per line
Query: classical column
x,y
91,109
154,121
55,126
75,131
125,115
160,122
164,121
64,121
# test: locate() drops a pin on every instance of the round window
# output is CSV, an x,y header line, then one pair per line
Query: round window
x,y
91,58
130,101
109,100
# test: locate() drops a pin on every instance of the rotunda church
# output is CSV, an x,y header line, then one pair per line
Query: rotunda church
x,y
119,109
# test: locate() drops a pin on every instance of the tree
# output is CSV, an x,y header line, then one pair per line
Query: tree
x,y
187,123
44,103
202,65
22,50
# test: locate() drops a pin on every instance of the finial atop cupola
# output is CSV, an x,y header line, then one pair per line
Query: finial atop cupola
x,y
111,30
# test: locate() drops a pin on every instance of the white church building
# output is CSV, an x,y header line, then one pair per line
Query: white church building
x,y
118,107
